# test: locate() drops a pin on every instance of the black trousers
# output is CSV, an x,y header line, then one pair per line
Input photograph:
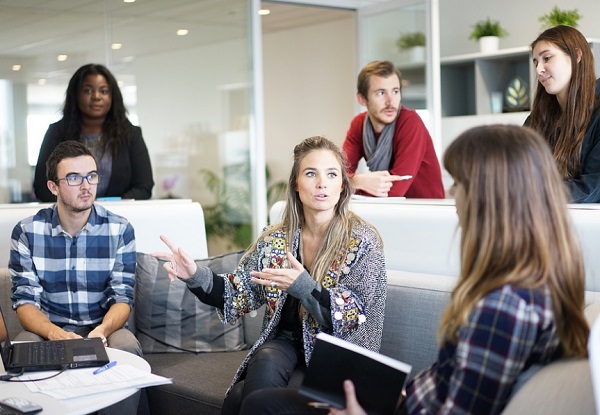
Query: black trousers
x,y
271,366
286,401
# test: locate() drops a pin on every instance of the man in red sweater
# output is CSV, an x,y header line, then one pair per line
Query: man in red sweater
x,y
392,139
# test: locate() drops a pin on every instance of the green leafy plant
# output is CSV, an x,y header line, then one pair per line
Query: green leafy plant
x,y
487,28
560,17
230,216
410,40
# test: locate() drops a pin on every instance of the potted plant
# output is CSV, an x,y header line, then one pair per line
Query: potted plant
x,y
560,17
414,43
229,219
488,32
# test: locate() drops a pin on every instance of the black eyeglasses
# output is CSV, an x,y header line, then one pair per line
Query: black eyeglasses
x,y
92,178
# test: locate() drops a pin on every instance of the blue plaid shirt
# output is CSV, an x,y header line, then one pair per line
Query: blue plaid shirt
x,y
73,280
509,329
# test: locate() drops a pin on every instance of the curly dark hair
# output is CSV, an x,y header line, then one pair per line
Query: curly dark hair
x,y
116,126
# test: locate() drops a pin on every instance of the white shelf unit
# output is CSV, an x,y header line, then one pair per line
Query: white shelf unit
x,y
469,80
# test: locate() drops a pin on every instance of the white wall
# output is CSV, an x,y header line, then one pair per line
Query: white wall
x,y
310,85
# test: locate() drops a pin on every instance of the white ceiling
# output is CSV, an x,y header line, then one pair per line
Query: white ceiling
x,y
34,32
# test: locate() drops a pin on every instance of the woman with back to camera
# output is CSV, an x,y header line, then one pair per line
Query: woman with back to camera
x,y
566,109
94,114
519,298
321,269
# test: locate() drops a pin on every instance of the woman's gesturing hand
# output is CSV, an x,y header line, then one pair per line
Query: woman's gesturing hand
x,y
179,264
280,278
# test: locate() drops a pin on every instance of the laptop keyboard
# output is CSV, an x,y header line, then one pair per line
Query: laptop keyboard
x,y
46,353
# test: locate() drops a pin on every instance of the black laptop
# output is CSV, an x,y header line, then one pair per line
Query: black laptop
x,y
51,354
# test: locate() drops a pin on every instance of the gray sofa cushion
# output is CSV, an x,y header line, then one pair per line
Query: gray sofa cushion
x,y
12,322
414,306
169,318
200,381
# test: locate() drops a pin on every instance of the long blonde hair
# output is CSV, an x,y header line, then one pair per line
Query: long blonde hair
x,y
515,228
337,237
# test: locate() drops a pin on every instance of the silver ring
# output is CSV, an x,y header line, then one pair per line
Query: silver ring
x,y
273,284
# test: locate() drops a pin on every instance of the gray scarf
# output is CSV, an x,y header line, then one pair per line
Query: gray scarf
x,y
378,154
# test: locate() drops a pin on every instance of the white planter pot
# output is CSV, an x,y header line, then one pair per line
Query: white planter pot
x,y
488,44
417,54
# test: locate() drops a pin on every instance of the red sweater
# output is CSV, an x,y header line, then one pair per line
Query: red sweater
x,y
413,154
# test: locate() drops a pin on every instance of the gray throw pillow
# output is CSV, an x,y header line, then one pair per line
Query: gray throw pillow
x,y
169,318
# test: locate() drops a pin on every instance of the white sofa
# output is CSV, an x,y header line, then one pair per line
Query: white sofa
x,y
180,219
422,235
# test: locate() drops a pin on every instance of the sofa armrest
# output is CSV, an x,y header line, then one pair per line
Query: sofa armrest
x,y
562,387
12,322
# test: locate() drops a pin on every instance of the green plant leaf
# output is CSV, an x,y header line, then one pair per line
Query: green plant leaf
x,y
557,17
410,40
487,28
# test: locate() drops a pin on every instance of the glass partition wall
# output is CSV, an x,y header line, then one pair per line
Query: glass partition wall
x,y
406,33
185,68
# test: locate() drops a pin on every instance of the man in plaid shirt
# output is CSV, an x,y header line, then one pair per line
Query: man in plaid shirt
x,y
72,265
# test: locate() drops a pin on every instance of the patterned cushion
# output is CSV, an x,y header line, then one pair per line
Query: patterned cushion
x,y
169,318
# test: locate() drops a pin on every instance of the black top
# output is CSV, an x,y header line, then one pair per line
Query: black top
x,y
131,176
585,188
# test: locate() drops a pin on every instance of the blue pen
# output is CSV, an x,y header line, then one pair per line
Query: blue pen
x,y
105,367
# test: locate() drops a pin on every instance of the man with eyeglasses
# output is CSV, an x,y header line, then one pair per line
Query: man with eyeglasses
x,y
72,265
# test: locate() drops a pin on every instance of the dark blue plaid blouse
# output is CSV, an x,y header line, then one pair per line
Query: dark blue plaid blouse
x,y
73,280
509,329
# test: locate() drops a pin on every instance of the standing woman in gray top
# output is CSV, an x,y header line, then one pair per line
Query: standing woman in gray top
x,y
95,115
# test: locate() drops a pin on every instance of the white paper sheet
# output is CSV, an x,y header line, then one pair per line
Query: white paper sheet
x,y
82,382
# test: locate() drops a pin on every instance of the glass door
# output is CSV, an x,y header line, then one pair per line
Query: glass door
x,y
406,33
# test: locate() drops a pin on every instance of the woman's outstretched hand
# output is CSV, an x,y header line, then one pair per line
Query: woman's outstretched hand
x,y
179,264
280,278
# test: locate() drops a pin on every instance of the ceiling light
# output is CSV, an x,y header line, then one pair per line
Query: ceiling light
x,y
128,1
264,12
116,46
121,84
61,58
41,81
182,32
16,68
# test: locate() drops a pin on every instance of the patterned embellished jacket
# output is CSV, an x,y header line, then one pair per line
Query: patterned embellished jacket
x,y
356,283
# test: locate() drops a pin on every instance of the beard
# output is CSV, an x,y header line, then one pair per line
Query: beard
x,y
76,205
